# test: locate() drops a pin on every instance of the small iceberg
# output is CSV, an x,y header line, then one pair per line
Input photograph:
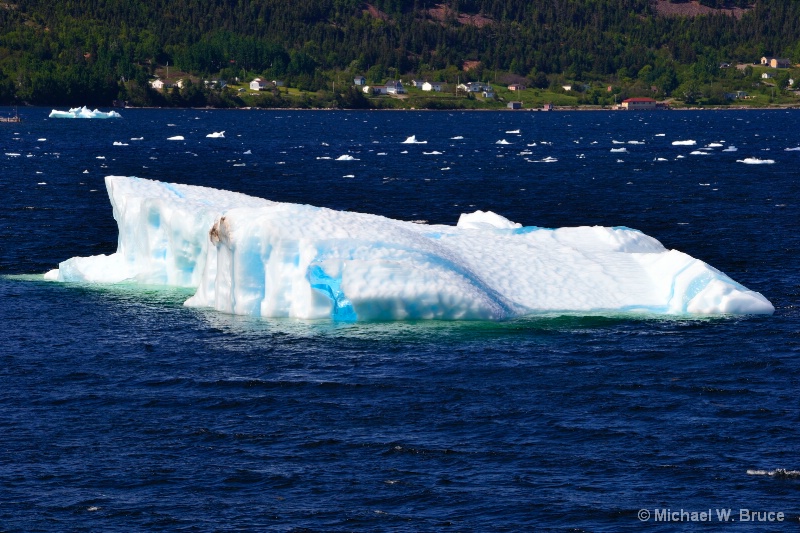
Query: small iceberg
x,y
619,150
502,141
684,143
756,161
698,152
435,152
731,149
216,135
413,140
83,112
346,158
117,143
513,131
176,138
457,138
795,149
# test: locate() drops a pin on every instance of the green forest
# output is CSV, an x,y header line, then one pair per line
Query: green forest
x,y
93,52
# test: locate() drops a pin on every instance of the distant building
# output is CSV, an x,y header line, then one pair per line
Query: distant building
x,y
258,85
767,75
547,107
633,104
776,62
360,80
395,87
516,87
514,105
433,86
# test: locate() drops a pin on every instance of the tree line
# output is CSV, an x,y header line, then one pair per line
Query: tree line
x,y
94,51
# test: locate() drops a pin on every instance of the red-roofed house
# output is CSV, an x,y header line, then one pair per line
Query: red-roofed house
x,y
638,103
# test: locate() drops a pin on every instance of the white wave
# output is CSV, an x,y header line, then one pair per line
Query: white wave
x,y
778,472
513,131
731,149
42,183
137,138
176,138
324,157
617,142
100,157
698,152
795,149
659,159
715,145
660,135
117,143
41,140
756,161
445,168
635,142
619,150
435,152
684,143
216,135
346,157
349,176
457,138
413,140
13,154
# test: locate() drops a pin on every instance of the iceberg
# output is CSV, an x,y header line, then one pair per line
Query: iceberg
x,y
83,112
252,256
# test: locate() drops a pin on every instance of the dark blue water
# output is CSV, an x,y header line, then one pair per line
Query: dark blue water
x,y
122,410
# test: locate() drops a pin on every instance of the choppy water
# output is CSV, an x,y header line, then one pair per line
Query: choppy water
x,y
122,410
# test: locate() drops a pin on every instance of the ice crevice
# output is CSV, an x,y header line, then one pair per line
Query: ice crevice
x,y
251,256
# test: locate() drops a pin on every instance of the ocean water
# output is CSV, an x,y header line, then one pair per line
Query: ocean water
x,y
122,410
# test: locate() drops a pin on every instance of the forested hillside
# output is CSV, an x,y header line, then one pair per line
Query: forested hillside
x,y
93,51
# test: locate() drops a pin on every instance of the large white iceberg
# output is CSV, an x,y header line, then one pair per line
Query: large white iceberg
x,y
251,256
83,112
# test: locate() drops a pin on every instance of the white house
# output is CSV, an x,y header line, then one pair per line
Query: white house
x,y
258,85
158,84
360,80
488,92
432,86
767,76
395,87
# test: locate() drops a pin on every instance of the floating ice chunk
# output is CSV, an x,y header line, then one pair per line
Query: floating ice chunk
x,y
100,157
617,142
635,142
684,143
176,138
698,152
502,141
756,161
349,176
435,152
457,138
513,132
247,152
619,150
41,140
216,135
250,256
83,112
346,157
13,154
324,157
794,149
660,159
715,145
117,143
137,138
660,135
413,140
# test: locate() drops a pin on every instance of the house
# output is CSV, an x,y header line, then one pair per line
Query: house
x,y
376,89
567,87
395,87
360,81
488,92
417,84
547,107
633,104
473,87
516,87
767,76
514,105
776,62
735,96
215,84
278,83
433,86
158,84
258,85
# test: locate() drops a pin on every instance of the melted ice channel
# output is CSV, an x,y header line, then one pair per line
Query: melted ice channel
x,y
251,256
